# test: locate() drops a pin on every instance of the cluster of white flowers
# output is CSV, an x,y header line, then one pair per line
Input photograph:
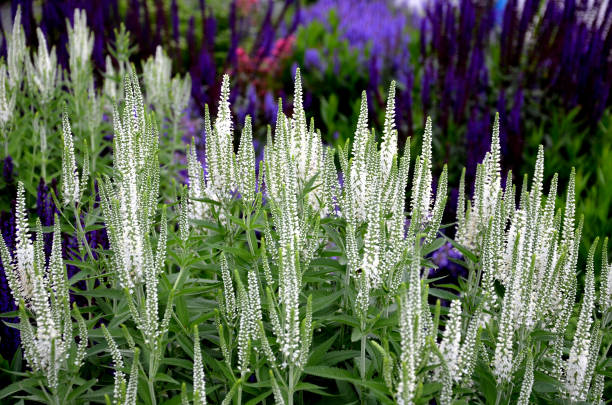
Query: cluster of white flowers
x,y
166,93
220,158
80,48
533,252
529,251
471,225
71,189
124,391
226,172
605,295
526,248
240,306
287,158
374,192
199,384
290,157
180,94
40,288
42,70
12,72
129,204
413,318
156,76
246,164
585,348
43,80
16,52
130,199
7,103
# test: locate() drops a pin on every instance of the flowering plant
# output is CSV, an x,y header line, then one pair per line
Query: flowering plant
x,y
303,279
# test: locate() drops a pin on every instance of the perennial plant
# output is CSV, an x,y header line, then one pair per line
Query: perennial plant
x,y
303,280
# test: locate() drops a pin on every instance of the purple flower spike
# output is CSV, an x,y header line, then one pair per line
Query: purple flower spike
x,y
9,336
8,170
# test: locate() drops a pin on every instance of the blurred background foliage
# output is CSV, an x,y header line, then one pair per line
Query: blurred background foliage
x,y
545,65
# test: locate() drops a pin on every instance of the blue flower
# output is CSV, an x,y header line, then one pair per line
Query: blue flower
x,y
312,60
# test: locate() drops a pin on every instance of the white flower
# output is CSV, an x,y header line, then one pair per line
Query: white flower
x,y
117,365
80,48
472,224
527,384
71,192
246,163
229,296
42,71
199,384
388,147
42,287
605,297
7,104
156,74
359,191
180,94
16,52
577,377
451,340
197,186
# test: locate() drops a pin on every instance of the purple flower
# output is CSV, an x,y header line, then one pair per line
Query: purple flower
x,y
270,107
175,21
371,25
428,78
443,258
8,169
8,336
477,140
312,60
46,210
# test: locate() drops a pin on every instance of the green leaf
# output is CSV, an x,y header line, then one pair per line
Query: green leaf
x,y
81,389
334,373
320,350
336,357
437,292
259,399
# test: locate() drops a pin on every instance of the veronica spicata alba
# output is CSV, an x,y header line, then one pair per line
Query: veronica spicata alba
x,y
80,48
41,289
16,52
42,70
71,192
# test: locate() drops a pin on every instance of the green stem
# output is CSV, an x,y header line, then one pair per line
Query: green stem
x,y
174,132
362,367
347,282
291,386
81,231
248,233
499,395
152,373
43,159
92,139
152,393
43,150
81,236
363,359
